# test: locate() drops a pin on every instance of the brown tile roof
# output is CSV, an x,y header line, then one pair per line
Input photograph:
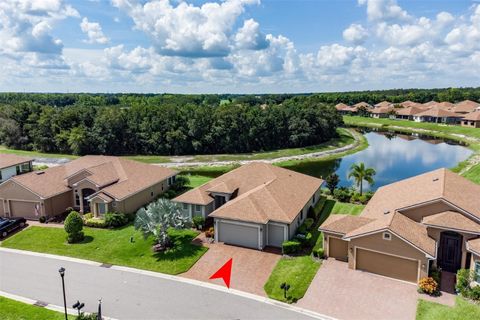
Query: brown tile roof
x,y
363,104
10,160
382,110
227,186
473,116
466,106
102,196
402,226
409,103
439,113
410,111
127,176
430,103
433,185
341,106
343,223
445,105
452,220
264,192
474,246
384,104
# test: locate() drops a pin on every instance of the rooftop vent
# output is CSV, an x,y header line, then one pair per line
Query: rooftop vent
x,y
386,212
39,172
435,179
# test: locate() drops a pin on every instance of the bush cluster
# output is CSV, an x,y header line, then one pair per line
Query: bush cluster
x,y
116,219
95,223
198,222
343,194
291,246
74,226
319,253
464,287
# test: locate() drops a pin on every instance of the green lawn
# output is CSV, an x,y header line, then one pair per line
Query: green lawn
x,y
462,310
298,272
197,180
4,149
110,246
14,310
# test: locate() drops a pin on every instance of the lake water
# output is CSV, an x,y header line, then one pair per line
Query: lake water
x,y
393,156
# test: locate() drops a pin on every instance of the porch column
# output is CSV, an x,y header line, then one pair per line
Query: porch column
x,y
80,194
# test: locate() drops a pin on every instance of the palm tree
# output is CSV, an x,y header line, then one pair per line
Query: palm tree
x,y
360,173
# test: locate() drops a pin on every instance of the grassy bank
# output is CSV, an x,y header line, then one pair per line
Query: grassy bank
x,y
112,247
470,136
434,311
14,310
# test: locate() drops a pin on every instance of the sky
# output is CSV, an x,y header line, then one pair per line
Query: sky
x,y
237,46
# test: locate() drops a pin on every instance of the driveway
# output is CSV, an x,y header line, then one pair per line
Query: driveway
x,y
350,294
250,268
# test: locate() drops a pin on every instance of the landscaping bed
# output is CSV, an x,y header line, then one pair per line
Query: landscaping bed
x,y
112,247
14,310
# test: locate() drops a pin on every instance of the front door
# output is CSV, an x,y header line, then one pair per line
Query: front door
x,y
450,251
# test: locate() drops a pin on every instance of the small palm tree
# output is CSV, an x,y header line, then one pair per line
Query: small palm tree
x,y
360,173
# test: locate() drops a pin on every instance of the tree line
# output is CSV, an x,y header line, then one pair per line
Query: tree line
x,y
160,125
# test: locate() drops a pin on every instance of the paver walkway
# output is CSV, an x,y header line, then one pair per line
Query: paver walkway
x,y
350,294
250,270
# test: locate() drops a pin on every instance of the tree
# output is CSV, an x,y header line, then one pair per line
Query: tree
x,y
360,173
157,218
74,226
332,182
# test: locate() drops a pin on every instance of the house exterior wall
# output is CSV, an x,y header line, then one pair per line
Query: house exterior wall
x,y
418,213
435,234
302,215
14,191
470,124
7,173
394,246
94,207
140,199
58,204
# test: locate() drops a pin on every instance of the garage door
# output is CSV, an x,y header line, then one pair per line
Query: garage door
x,y
240,235
387,265
276,235
338,249
2,212
23,209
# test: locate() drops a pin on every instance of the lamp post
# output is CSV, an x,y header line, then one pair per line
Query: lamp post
x,y
62,274
79,306
285,286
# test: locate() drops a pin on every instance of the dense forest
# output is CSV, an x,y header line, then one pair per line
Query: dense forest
x,y
101,124
173,124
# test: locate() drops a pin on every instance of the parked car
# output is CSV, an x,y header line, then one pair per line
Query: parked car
x,y
9,225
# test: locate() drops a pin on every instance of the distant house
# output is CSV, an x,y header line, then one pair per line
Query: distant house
x,y
471,120
408,103
438,115
381,112
342,108
430,104
411,226
445,105
408,113
466,106
12,165
96,184
362,105
254,206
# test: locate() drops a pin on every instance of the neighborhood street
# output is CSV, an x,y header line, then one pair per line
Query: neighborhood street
x,y
126,294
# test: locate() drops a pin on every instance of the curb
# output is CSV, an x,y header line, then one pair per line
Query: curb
x,y
211,286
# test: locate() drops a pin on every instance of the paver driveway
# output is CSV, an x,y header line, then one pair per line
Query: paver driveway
x,y
250,269
349,294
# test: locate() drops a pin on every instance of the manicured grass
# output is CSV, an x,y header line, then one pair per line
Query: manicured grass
x,y
32,154
112,247
14,310
434,311
298,272
473,174
197,180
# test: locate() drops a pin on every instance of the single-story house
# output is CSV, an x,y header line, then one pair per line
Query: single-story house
x,y
411,226
362,105
381,112
383,104
471,120
467,106
12,165
96,184
430,104
408,103
445,105
438,115
343,108
407,113
255,205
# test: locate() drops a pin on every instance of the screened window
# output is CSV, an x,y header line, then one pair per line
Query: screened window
x,y
477,271
102,208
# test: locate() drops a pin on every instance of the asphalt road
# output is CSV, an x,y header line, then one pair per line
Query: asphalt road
x,y
125,294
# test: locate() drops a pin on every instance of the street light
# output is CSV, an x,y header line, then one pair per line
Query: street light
x,y
285,286
62,274
78,305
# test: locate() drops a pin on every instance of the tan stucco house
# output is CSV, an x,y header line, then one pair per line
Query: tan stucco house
x,y
255,205
471,120
12,165
96,184
408,227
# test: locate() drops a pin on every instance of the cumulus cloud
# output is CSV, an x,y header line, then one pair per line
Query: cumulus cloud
x,y
250,37
355,34
384,10
187,30
93,31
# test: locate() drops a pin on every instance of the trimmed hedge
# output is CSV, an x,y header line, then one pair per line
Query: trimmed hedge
x,y
292,246
95,223
198,221
115,220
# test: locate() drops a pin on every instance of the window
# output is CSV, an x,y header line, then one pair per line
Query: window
x,y
301,215
1,175
114,204
26,167
198,208
151,194
185,206
102,208
18,170
477,271
387,236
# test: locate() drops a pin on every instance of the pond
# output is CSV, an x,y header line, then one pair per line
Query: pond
x,y
393,156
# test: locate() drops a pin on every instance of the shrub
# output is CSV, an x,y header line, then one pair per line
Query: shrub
x,y
342,194
115,219
180,183
198,221
464,278
73,226
87,216
436,274
302,229
210,233
91,316
95,223
308,223
474,293
319,253
42,219
428,285
169,194
289,247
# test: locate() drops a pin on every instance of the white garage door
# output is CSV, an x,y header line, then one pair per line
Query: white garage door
x,y
24,209
240,235
276,235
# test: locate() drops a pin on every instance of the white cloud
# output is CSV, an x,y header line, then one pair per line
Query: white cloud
x,y
93,31
185,29
250,37
355,34
379,10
